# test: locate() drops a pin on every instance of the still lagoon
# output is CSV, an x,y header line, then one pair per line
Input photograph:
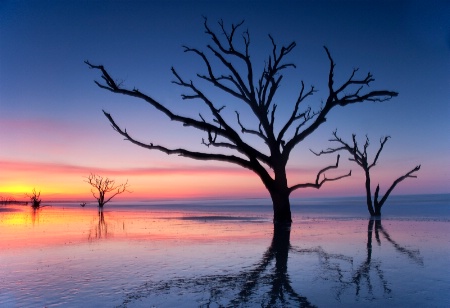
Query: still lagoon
x,y
226,253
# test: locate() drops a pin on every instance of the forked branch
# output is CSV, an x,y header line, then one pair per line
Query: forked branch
x,y
336,97
409,174
319,182
180,151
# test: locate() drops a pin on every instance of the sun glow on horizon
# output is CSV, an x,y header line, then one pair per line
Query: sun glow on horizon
x,y
19,189
58,182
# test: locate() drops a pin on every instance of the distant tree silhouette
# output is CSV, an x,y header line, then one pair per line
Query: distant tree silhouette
x,y
102,186
35,198
230,69
360,156
7,200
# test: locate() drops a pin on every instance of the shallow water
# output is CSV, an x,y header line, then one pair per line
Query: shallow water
x,y
224,254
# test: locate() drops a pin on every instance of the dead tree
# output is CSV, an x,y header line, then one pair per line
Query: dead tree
x,y
360,156
35,198
102,186
229,68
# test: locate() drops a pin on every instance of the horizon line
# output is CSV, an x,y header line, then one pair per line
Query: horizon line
x,y
214,198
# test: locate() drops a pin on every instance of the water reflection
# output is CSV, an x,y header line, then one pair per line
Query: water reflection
x,y
35,214
268,283
276,279
413,255
370,271
99,227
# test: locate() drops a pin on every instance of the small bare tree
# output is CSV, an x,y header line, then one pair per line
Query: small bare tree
x,y
361,158
102,186
35,198
7,200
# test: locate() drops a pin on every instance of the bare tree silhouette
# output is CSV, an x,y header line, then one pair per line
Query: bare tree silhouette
x,y
35,198
230,69
102,186
7,200
360,156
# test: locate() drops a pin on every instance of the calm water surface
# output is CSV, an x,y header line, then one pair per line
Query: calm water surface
x,y
226,254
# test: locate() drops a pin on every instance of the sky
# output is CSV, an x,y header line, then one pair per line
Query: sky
x,y
53,133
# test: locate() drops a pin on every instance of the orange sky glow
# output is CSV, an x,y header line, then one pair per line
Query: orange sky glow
x,y
58,182
53,132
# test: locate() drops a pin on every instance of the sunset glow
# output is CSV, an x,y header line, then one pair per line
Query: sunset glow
x,y
53,132
224,153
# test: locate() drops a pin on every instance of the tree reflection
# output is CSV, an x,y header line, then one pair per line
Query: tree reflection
x,y
100,227
276,279
370,271
267,283
413,255
35,211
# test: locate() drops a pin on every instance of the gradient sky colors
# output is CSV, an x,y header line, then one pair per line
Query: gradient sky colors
x,y
52,131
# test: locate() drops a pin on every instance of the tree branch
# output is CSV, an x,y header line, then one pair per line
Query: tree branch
x,y
295,115
409,174
318,183
181,152
334,100
227,132
382,142
250,131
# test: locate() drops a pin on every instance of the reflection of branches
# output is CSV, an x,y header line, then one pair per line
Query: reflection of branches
x,y
100,229
330,263
364,271
242,287
266,283
412,254
278,280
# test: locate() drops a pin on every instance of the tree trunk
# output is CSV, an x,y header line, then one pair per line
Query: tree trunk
x,y
101,200
377,209
369,194
281,206
279,192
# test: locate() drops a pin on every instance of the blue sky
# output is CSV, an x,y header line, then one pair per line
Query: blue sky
x,y
50,109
